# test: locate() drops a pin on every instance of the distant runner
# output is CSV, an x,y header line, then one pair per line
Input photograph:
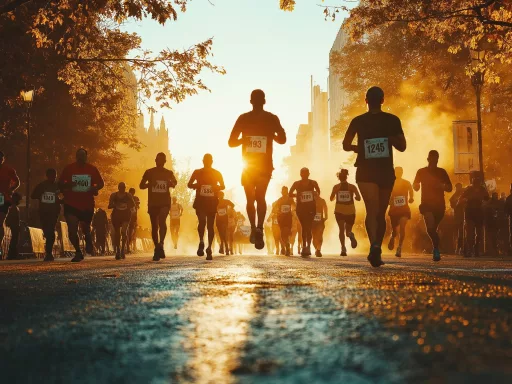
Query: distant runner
x,y
12,221
231,230
80,182
508,211
176,213
222,222
47,192
306,207
377,134
207,182
131,245
256,132
399,211
284,208
9,182
158,181
345,210
273,219
434,182
458,216
122,206
100,228
321,216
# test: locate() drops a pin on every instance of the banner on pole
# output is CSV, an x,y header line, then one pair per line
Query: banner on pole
x,y
465,145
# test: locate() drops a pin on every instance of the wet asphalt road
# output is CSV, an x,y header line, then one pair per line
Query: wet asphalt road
x,y
256,319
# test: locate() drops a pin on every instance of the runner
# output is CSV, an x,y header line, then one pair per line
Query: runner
x,y
12,221
306,207
399,211
458,216
222,222
231,230
256,132
80,182
132,238
283,212
508,211
276,231
296,234
122,206
100,230
321,216
472,199
176,213
9,182
158,181
434,182
345,210
47,192
377,133
207,182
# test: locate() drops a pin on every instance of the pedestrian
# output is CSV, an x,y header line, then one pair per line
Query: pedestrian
x,y
9,182
100,229
458,218
12,221
321,216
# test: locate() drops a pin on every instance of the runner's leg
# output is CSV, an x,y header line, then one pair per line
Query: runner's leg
x,y
370,194
260,193
72,222
431,226
210,222
124,237
153,217
201,225
403,224
162,224
341,230
384,196
250,194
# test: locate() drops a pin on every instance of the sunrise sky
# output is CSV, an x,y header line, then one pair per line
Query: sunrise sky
x,y
260,46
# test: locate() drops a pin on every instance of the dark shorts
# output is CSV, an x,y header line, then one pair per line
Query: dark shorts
x,y
395,218
438,212
347,219
159,210
256,178
384,179
206,206
5,208
175,223
285,221
120,217
318,225
82,216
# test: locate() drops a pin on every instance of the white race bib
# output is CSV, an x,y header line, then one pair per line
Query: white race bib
x,y
376,148
399,201
286,208
83,183
121,206
2,199
306,197
344,196
160,187
246,231
256,144
318,217
48,198
222,212
206,191
240,223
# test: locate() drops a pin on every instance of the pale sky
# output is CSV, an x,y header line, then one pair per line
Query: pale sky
x,y
260,46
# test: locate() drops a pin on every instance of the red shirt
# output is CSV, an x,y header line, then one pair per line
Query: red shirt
x,y
85,176
7,178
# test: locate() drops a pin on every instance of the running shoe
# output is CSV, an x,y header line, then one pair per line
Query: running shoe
x,y
123,256
318,253
200,249
221,250
252,238
259,243
118,255
375,257
391,244
287,252
156,255
49,257
398,252
436,255
283,251
304,253
89,248
308,250
161,252
353,241
209,254
79,256
343,251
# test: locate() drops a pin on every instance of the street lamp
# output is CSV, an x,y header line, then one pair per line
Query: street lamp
x,y
477,79
28,97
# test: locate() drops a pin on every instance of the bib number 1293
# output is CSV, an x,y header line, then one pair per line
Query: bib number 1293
x,y
376,148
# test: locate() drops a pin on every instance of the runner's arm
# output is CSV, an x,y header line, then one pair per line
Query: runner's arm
x,y
292,190
398,142
417,181
99,183
230,204
411,194
180,209
221,183
280,134
315,186
192,180
144,183
234,138
64,180
333,194
349,138
448,187
36,193
172,181
111,202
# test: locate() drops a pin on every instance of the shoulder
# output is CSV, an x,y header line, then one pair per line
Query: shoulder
x,y
391,117
358,119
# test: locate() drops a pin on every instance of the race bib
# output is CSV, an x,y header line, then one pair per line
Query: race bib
x,y
122,206
376,148
344,196
275,221
318,217
399,201
48,198
175,214
286,208
2,199
246,231
306,197
222,212
206,191
160,187
256,144
83,183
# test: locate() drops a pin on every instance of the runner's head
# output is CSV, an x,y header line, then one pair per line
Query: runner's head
x,y
174,200
399,172
433,158
258,98
220,195
131,191
284,191
374,97
304,173
342,175
81,156
121,187
2,157
51,175
476,179
160,160
458,187
208,160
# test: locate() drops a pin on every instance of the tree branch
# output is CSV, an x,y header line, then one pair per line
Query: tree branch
x,y
12,6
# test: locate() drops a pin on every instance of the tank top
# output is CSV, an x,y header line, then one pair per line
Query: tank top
x,y
175,212
122,202
305,195
344,200
284,206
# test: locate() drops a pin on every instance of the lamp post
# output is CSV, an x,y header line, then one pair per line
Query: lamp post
x,y
477,79
28,97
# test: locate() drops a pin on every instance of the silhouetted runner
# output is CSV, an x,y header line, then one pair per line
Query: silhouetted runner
x,y
122,205
207,182
377,134
47,192
80,182
434,182
158,181
345,210
458,218
399,211
131,245
9,182
306,207
222,222
256,132
176,213
283,211
321,216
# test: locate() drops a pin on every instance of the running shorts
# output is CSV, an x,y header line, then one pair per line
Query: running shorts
x,y
347,219
83,216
